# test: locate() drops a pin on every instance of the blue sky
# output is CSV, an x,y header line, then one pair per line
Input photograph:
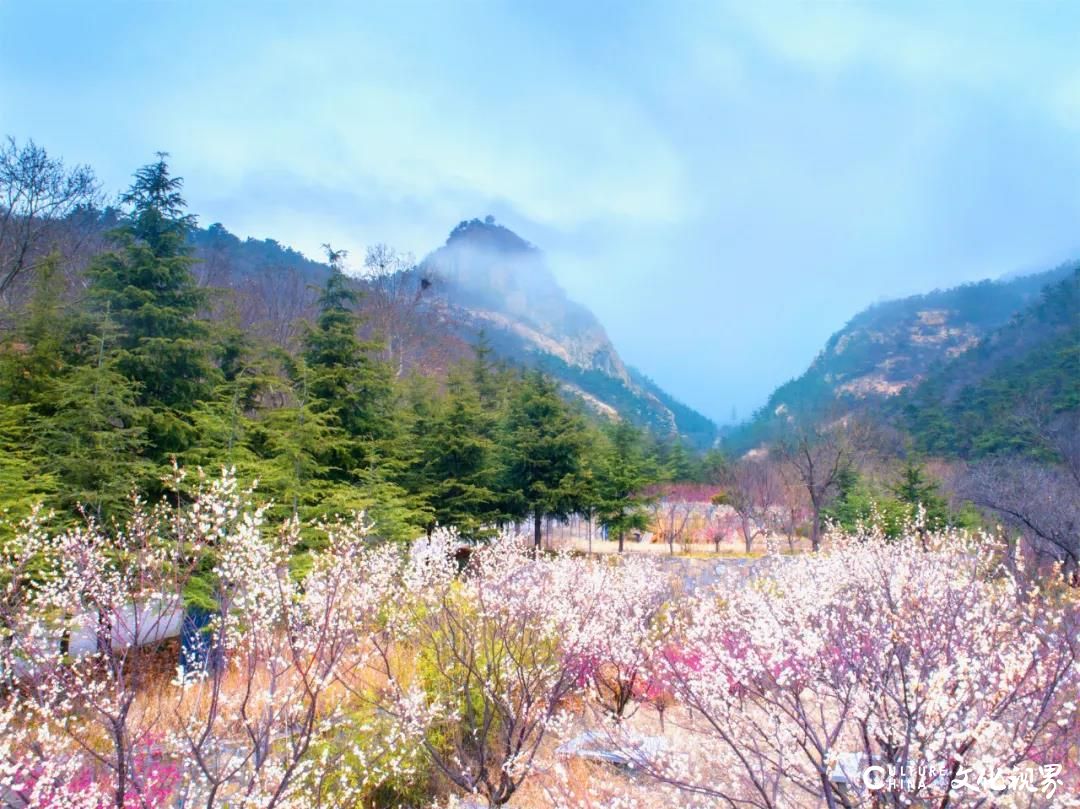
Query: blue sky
x,y
723,184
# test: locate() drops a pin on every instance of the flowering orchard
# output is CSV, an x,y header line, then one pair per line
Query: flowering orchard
x,y
340,671
895,654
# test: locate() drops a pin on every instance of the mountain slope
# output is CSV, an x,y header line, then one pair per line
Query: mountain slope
x,y
490,279
485,278
891,348
983,401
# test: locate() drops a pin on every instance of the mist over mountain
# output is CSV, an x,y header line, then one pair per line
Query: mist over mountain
x,y
495,282
923,363
485,281
502,281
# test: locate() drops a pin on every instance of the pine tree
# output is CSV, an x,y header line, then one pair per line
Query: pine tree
x,y
31,361
291,442
420,411
460,462
147,290
487,377
41,347
80,428
23,483
624,472
916,489
398,515
346,381
225,420
94,441
543,444
681,465
858,506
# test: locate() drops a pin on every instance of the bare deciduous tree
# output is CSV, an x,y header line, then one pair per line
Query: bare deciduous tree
x,y
392,305
1040,499
752,488
37,193
670,516
818,456
793,509
275,304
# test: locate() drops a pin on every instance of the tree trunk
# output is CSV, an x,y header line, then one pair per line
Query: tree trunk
x,y
620,540
538,528
815,531
120,796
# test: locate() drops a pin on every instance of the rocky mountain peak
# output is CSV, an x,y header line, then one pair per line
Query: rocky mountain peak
x,y
494,280
488,234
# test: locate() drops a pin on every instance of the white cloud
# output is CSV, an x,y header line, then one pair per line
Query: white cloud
x,y
724,183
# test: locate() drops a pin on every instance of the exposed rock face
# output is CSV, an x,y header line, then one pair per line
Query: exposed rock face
x,y
488,278
881,356
503,282
889,349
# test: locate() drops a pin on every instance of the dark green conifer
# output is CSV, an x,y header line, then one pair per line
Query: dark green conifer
x,y
624,472
145,288
543,444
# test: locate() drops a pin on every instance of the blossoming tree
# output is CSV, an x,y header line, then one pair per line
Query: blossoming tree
x,y
912,658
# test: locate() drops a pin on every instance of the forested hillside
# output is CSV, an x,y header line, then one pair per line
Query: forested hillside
x,y
891,348
134,341
988,399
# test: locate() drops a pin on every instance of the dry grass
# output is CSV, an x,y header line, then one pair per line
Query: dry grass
x,y
729,548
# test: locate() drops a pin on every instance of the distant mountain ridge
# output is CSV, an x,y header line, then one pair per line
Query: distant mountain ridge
x,y
887,352
484,279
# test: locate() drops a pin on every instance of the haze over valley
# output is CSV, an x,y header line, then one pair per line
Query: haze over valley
x,y
543,406
742,176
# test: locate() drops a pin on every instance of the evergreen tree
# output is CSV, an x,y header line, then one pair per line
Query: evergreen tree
x,y
587,481
677,463
487,377
41,346
714,466
292,442
460,462
147,290
346,382
398,515
858,506
624,472
225,420
74,430
420,411
31,361
917,490
94,441
23,483
543,443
